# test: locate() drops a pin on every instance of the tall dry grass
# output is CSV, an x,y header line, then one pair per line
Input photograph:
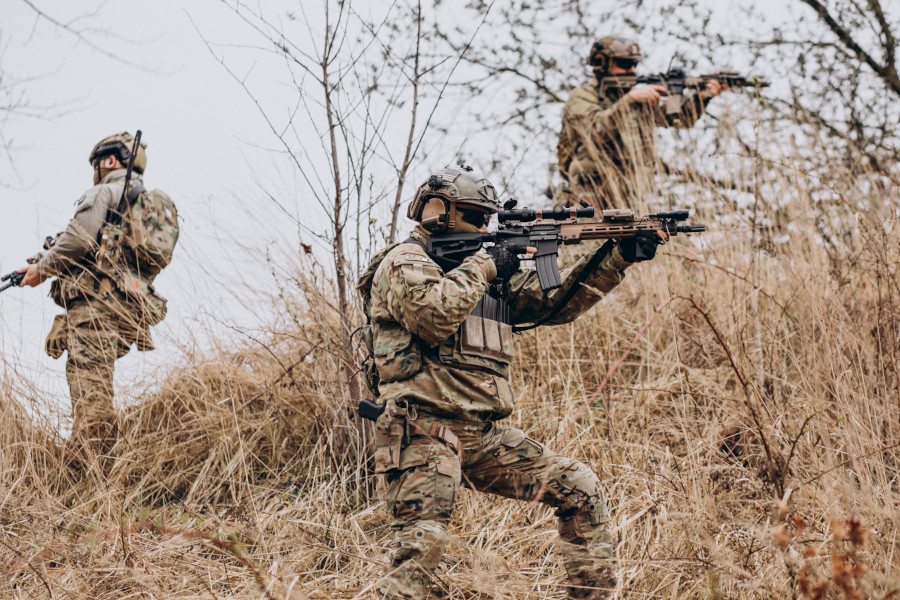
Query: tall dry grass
x,y
738,395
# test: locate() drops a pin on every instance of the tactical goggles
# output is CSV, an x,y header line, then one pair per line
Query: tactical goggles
x,y
626,63
475,217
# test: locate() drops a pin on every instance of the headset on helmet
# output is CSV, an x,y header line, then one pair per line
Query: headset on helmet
x,y
456,190
610,47
119,145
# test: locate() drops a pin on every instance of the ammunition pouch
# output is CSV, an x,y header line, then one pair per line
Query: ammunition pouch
x,y
58,339
484,341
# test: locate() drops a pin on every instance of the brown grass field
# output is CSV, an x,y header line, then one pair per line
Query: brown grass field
x,y
740,398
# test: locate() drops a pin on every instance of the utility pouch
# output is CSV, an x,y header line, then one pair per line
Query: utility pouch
x,y
389,431
151,306
396,353
58,338
66,288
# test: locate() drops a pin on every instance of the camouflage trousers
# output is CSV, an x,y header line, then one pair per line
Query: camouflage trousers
x,y
95,336
423,492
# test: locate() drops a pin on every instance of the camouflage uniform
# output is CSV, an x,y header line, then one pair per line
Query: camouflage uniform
x,y
101,322
606,146
443,349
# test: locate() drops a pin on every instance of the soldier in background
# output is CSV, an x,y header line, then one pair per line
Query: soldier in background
x,y
606,149
442,350
103,282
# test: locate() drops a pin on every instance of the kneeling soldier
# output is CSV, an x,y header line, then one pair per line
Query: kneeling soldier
x,y
442,351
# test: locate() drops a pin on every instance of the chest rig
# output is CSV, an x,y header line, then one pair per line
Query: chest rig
x,y
484,341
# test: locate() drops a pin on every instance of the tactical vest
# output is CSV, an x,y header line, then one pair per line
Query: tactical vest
x,y
130,257
483,341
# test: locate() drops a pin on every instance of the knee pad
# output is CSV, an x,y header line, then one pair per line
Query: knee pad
x,y
421,542
583,517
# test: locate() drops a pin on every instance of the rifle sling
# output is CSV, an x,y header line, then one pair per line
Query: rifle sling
x,y
115,215
589,268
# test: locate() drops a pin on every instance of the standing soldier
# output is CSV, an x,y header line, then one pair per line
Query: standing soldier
x,y
442,350
606,148
104,263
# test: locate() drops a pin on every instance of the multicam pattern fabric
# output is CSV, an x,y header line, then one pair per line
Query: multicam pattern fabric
x,y
419,315
607,148
423,492
417,310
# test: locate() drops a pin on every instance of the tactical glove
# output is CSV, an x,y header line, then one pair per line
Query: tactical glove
x,y
641,247
506,262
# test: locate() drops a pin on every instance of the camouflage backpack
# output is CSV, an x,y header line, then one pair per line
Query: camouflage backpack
x,y
132,254
151,232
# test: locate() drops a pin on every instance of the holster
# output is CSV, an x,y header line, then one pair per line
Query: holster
x,y
390,430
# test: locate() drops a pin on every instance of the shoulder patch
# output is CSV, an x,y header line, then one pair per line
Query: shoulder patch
x,y
413,257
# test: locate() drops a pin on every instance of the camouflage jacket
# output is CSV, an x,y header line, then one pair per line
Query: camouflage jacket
x,y
609,139
442,343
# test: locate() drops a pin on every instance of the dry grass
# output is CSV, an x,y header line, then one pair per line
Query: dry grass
x,y
748,441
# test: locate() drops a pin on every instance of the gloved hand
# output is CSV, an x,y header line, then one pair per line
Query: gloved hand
x,y
641,247
506,262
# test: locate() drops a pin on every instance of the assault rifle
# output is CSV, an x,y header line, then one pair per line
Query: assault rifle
x,y
545,230
676,82
11,280
15,278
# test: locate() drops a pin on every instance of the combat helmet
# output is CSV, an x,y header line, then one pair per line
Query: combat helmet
x,y
612,47
119,145
449,199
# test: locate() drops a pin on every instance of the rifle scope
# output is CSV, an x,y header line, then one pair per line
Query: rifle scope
x,y
557,213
